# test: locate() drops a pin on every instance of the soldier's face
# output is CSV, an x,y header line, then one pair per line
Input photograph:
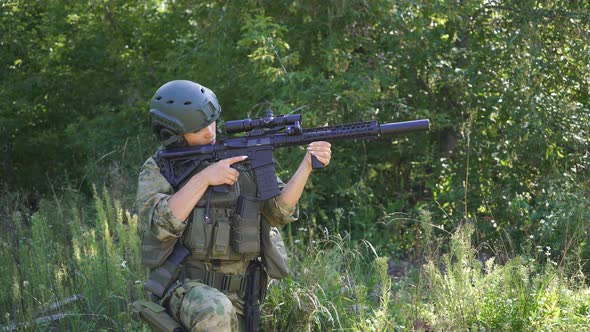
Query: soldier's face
x,y
204,136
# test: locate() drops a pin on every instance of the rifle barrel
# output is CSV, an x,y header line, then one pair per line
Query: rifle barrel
x,y
396,128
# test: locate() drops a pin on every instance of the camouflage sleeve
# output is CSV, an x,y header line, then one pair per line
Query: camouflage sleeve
x,y
153,192
276,212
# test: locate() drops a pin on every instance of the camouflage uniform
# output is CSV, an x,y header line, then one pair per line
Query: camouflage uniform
x,y
197,306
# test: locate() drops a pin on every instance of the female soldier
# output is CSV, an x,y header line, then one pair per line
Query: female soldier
x,y
220,237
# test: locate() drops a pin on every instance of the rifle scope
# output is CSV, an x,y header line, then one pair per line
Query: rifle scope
x,y
269,121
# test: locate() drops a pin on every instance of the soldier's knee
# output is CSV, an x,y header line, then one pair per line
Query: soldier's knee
x,y
205,308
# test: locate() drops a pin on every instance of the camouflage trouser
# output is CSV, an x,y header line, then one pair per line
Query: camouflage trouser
x,y
199,307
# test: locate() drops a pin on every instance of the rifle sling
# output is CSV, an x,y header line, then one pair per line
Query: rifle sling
x,y
162,277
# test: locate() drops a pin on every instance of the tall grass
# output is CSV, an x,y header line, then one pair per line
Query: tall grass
x,y
70,266
335,285
463,293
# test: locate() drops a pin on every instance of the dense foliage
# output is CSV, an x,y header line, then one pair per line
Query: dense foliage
x,y
505,84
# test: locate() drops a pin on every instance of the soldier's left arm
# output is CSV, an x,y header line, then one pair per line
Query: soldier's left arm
x,y
282,209
294,188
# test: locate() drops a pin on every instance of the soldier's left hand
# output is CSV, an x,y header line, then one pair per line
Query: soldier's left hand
x,y
321,150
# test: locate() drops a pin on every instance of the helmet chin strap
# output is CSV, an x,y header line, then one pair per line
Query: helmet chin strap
x,y
169,138
176,140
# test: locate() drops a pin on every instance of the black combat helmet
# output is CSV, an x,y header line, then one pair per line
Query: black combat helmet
x,y
180,107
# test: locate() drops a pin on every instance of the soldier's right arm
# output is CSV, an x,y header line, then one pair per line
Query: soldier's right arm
x,y
182,202
153,193
163,211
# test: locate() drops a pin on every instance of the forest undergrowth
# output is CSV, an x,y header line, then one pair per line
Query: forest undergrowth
x,y
74,265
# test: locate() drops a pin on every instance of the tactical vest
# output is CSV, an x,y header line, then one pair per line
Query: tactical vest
x,y
226,225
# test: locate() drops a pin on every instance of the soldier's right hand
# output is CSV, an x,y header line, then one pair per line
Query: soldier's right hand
x,y
221,172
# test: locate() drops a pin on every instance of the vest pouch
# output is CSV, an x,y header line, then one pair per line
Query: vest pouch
x,y
245,225
220,248
223,196
274,253
221,243
209,240
155,316
199,234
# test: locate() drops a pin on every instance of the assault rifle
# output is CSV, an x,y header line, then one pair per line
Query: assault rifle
x,y
263,135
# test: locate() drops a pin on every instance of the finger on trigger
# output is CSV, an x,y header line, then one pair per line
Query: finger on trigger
x,y
234,160
240,158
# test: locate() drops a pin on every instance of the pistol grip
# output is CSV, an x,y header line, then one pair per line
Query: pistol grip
x,y
315,163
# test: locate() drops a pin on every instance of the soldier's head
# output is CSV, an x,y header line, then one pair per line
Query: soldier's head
x,y
184,112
